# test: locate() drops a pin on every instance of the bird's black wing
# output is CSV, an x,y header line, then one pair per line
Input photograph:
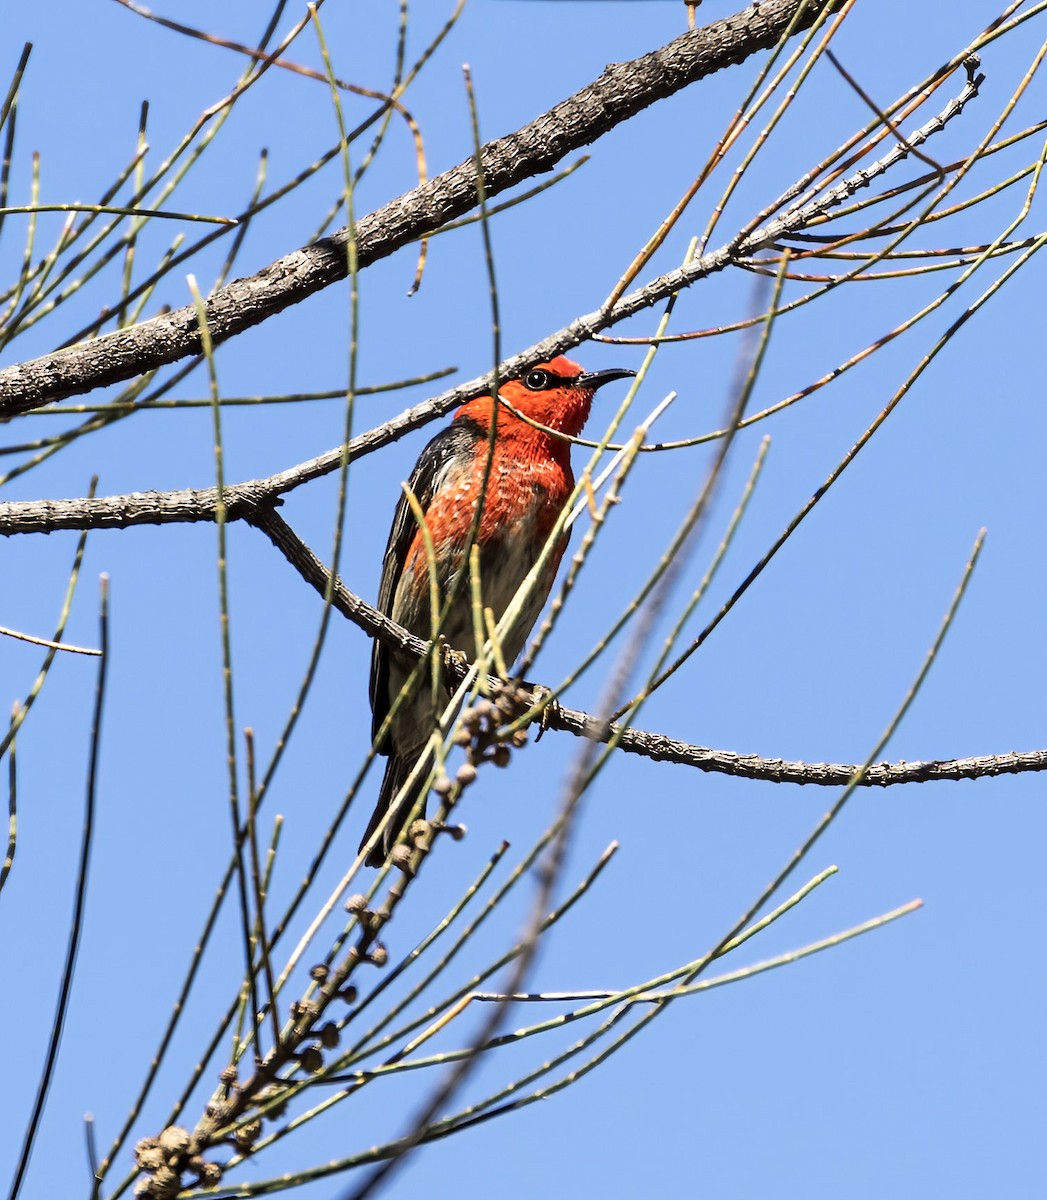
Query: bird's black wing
x,y
450,445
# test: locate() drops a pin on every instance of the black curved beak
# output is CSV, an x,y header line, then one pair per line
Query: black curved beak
x,y
596,379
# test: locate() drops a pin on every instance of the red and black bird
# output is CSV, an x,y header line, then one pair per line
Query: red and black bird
x,y
528,484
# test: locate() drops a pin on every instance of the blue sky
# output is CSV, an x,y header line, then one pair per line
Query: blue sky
x,y
909,1062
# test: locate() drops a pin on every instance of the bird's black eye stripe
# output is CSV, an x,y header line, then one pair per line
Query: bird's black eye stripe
x,y
538,380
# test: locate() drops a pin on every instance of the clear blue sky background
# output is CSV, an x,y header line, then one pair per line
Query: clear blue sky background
x,y
910,1063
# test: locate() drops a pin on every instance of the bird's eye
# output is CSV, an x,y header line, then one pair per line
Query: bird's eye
x,y
537,381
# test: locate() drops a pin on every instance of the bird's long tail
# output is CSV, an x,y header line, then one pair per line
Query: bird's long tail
x,y
397,769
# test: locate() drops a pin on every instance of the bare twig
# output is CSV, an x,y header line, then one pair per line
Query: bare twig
x,y
76,926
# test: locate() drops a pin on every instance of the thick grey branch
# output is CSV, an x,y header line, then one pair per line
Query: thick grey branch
x,y
638,741
623,90
184,506
144,508
777,770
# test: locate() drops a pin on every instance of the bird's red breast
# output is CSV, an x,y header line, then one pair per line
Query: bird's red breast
x,y
530,476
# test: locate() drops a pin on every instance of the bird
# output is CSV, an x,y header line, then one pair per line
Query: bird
x,y
528,484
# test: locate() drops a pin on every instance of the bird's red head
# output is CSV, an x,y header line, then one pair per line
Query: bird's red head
x,y
557,394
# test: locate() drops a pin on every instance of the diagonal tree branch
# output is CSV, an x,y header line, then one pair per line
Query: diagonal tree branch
x,y
655,746
623,90
158,508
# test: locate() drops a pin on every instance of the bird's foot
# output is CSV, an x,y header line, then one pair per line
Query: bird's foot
x,y
542,699
455,663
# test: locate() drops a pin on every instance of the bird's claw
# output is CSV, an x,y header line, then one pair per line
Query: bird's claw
x,y
455,662
542,699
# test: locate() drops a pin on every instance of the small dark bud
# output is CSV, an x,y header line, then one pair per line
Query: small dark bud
x,y
329,1035
453,830
419,829
500,756
400,857
348,995
228,1075
246,1136
356,904
209,1174
379,955
319,973
173,1143
174,1138
518,737
148,1154
312,1060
